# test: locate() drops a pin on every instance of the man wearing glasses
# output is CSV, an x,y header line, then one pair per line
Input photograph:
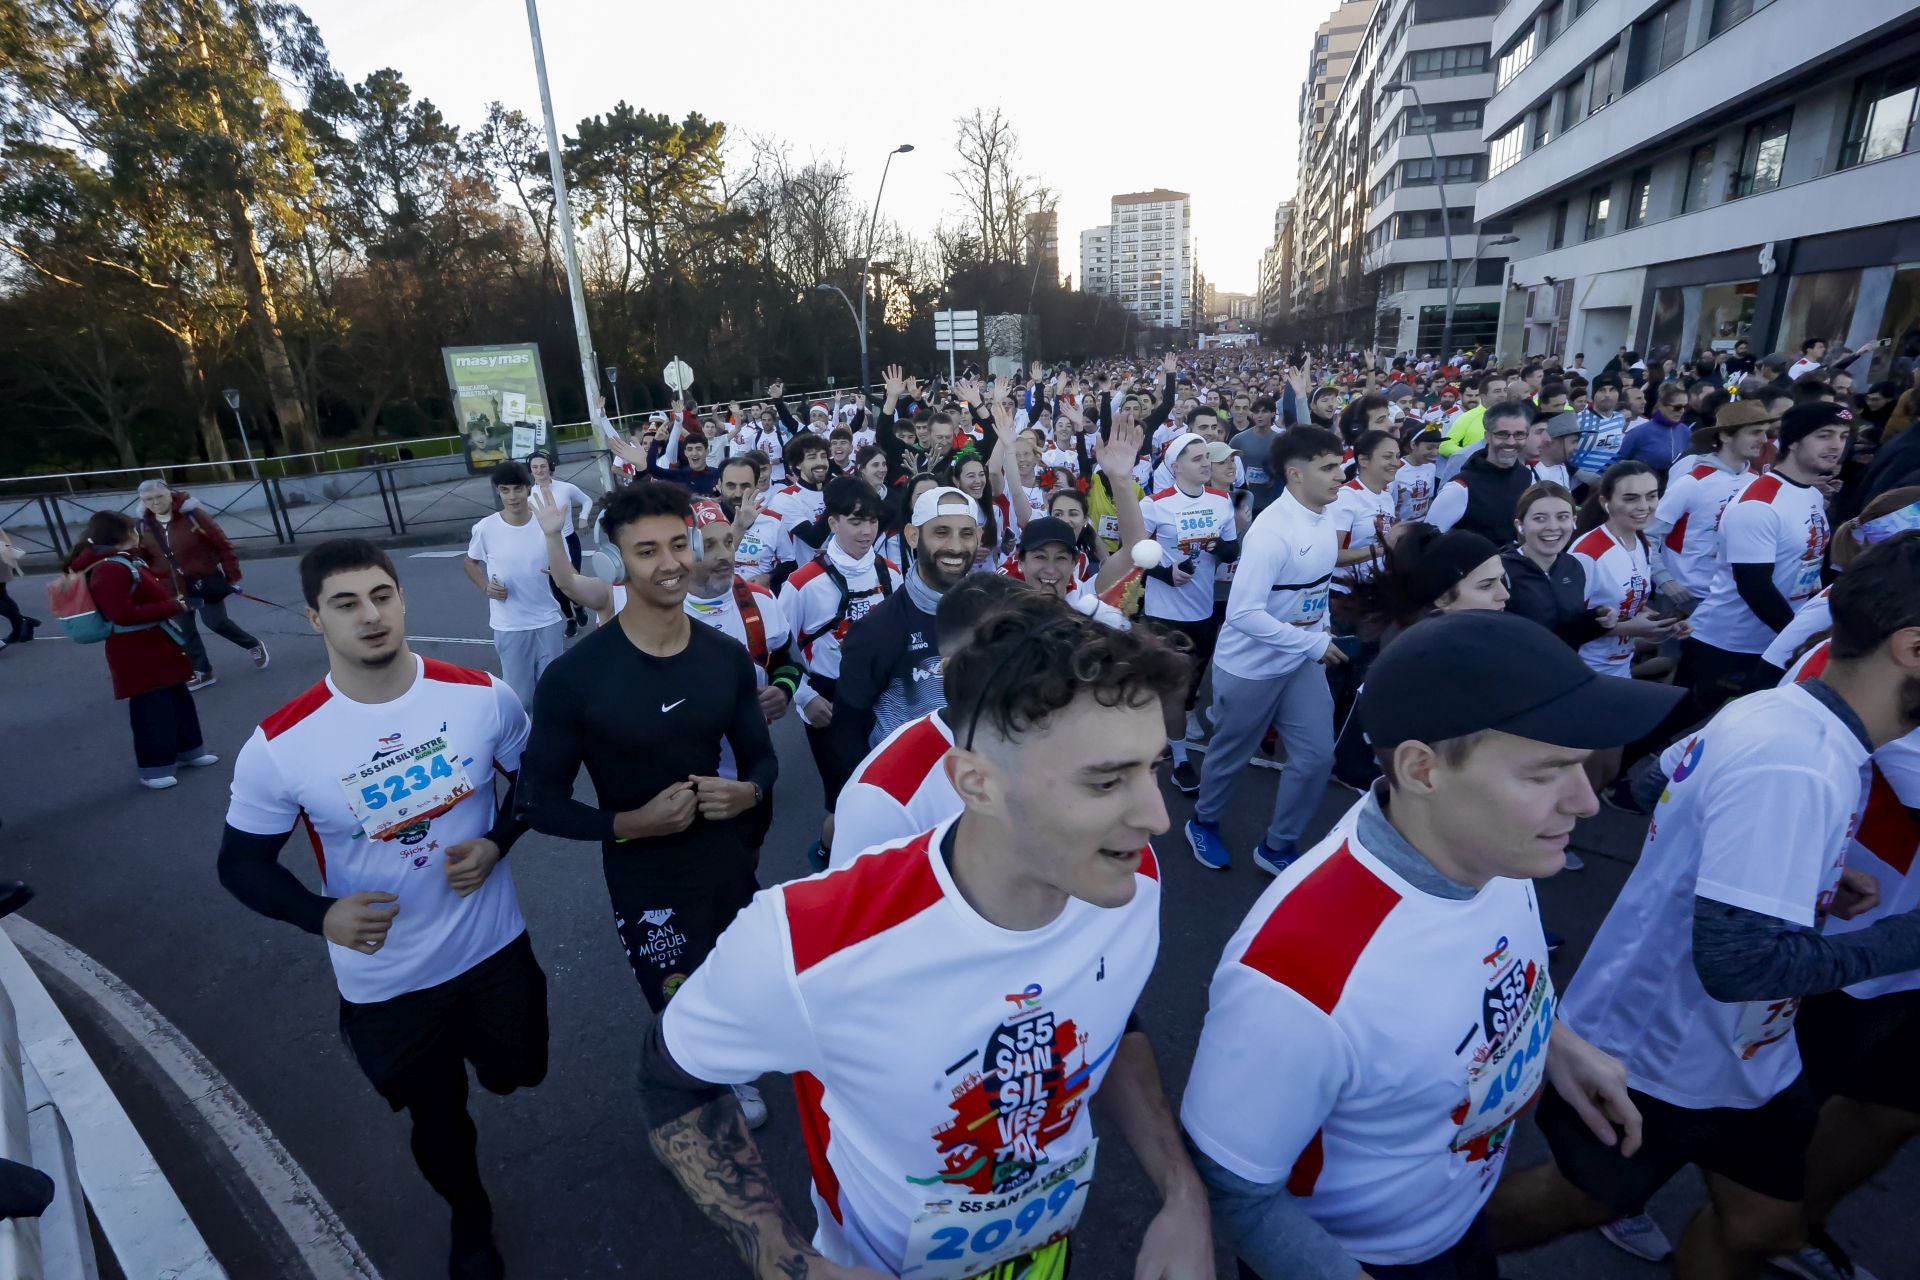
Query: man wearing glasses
x,y
1483,496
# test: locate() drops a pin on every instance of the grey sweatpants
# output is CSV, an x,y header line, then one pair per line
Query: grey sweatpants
x,y
1299,705
525,654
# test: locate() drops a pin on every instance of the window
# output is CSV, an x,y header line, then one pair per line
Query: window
x,y
1881,121
1658,41
1543,129
1426,222
1558,236
1728,12
1438,64
1763,154
1599,204
1504,151
1699,193
1601,89
1443,118
1639,194
1515,60
1490,271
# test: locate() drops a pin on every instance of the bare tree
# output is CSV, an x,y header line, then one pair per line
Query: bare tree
x,y
998,197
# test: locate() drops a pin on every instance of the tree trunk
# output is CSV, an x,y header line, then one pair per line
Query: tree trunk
x,y
211,441
288,405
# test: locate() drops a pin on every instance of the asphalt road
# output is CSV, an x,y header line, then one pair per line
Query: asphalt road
x,y
127,876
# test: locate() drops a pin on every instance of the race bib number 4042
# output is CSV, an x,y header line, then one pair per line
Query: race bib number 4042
x,y
968,1236
388,795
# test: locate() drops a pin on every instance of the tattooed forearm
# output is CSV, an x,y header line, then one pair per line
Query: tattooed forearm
x,y
713,1158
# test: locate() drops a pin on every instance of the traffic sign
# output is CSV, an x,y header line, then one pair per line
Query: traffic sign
x,y
677,375
956,330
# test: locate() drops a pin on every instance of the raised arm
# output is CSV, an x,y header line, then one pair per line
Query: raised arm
x,y
590,593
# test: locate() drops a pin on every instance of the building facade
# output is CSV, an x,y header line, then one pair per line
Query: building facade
x,y
1095,265
1043,241
1274,301
1387,235
1151,257
1683,174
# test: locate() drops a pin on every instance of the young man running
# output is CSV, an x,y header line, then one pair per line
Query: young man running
x,y
1395,976
1193,523
1270,667
1773,541
798,506
1685,532
951,1005
507,559
389,762
1699,970
646,703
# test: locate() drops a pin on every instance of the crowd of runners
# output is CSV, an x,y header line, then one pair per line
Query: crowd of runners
x,y
1485,595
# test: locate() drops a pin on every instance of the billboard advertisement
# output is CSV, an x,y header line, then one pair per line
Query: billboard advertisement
x,y
499,400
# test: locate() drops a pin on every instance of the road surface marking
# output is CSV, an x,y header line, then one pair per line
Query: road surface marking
x,y
438,555
446,640
322,1240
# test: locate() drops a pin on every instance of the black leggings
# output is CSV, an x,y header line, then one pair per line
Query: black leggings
x,y
17,622
166,729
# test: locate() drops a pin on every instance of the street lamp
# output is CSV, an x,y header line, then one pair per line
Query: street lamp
x,y
859,322
613,380
232,397
866,267
1446,214
1494,243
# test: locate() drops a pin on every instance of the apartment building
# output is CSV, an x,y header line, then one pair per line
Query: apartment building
x,y
1275,297
1387,235
1095,272
1682,174
1151,257
1043,241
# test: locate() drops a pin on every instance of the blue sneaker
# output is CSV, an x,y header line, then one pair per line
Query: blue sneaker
x,y
1208,847
1273,861
817,856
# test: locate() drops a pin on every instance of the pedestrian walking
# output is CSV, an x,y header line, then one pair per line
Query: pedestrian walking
x,y
507,559
189,544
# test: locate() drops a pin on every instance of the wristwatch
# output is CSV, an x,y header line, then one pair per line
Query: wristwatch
x,y
759,796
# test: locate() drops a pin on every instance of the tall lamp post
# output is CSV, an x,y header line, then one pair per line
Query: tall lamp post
x,y
1494,243
232,397
859,323
1446,215
866,269
613,381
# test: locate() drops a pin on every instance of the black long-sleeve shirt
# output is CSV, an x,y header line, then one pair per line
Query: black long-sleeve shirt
x,y
639,724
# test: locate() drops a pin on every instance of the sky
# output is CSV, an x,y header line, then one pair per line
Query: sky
x,y
1106,98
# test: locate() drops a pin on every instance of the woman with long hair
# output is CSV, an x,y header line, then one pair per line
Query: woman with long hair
x,y
146,654
870,464
1548,584
967,472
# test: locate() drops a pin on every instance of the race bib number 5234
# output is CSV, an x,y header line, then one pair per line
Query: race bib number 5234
x,y
388,795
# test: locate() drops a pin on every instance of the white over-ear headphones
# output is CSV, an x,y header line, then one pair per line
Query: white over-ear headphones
x,y
611,566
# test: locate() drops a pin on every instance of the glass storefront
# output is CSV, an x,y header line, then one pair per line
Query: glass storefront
x,y
1700,317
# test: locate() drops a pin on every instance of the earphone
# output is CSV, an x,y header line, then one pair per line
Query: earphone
x,y
617,575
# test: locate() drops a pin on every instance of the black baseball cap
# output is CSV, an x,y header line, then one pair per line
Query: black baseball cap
x,y
1045,530
1462,673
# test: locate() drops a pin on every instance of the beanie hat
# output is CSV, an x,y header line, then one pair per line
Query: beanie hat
x,y
1803,420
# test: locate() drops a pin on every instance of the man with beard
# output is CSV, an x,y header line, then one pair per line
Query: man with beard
x,y
798,506
1481,499
645,703
1728,922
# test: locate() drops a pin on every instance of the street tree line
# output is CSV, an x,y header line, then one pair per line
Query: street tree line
x,y
192,198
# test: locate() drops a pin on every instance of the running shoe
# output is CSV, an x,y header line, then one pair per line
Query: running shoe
x,y
1269,742
160,784
1196,731
573,627
201,761
1208,847
201,679
1273,861
1821,1258
259,655
752,1105
1640,1236
1575,862
1554,941
1186,777
817,856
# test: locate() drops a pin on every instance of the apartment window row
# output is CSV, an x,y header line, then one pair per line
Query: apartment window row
x,y
1422,223
1439,64
1506,148
1547,26
1880,122
1433,275
1728,12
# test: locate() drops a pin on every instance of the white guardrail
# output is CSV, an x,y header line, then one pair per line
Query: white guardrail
x,y
58,1114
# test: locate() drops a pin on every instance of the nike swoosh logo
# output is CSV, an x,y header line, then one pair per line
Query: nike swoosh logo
x,y
668,706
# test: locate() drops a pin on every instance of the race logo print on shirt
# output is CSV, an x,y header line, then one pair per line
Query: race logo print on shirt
x,y
1509,1061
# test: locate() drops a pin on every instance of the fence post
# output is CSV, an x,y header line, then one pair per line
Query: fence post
x,y
277,502
56,523
387,503
399,511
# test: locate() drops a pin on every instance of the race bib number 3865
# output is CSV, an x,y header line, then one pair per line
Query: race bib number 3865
x,y
390,794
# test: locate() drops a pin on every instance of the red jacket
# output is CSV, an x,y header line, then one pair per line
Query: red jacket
x,y
145,660
189,545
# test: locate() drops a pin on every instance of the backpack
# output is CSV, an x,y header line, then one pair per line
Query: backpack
x,y
883,580
751,621
70,596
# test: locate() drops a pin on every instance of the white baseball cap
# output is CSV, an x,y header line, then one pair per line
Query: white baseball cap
x,y
934,503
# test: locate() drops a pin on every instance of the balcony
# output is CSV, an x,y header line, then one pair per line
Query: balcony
x,y
1457,142
1770,48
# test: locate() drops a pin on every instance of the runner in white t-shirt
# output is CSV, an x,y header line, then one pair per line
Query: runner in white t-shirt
x,y
950,1005
1614,556
1696,976
1385,1013
1773,539
1412,485
507,559
1686,525
1365,508
390,762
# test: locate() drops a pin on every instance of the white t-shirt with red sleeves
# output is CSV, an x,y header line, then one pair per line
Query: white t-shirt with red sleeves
x,y
1619,579
1775,522
1809,620
810,599
943,1064
757,553
1412,489
899,790
1185,525
1758,812
1887,837
792,506
761,635
384,788
1384,1100
1691,509
1361,518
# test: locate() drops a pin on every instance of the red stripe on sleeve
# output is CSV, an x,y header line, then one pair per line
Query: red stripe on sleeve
x,y
1317,933
873,894
1306,1170
816,1132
